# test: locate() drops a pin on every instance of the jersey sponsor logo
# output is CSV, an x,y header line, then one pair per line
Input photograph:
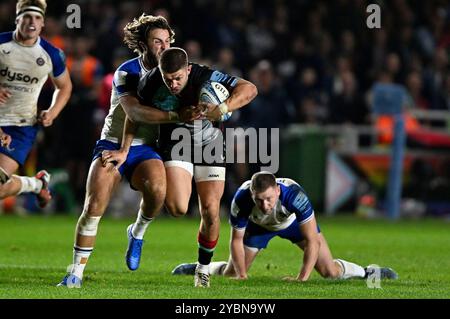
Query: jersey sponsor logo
x,y
220,88
18,88
299,201
14,76
6,52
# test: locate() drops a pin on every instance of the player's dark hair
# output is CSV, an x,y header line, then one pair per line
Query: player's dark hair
x,y
262,181
137,31
173,59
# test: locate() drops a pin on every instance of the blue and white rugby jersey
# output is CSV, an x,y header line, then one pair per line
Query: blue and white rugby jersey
x,y
292,204
125,82
23,71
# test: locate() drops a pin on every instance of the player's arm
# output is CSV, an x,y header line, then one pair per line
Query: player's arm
x,y
118,157
63,89
243,93
238,253
311,250
146,114
238,219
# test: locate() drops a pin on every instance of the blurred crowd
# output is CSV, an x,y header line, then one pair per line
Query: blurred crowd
x,y
313,61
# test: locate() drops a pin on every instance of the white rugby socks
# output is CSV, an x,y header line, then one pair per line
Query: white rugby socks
x,y
29,185
140,226
80,258
217,267
350,270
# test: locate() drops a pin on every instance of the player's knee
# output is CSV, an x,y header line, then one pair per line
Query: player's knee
x,y
176,209
88,224
210,210
155,193
329,271
210,206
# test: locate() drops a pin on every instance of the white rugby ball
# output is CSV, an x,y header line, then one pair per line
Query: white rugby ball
x,y
215,93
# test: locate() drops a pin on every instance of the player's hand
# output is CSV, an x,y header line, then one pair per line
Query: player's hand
x,y
5,140
210,111
115,158
293,279
46,118
4,95
190,114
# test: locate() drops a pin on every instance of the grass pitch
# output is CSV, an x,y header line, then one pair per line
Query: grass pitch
x,y
35,251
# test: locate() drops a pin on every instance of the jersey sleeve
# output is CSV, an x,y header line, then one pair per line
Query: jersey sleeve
x,y
240,209
59,63
299,204
125,82
200,74
57,57
227,80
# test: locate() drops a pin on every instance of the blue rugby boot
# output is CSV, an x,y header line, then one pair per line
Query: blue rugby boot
x,y
134,250
185,269
70,281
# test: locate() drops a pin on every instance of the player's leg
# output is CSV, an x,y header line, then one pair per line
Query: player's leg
x,y
179,186
210,183
12,183
150,179
10,159
101,182
328,267
100,185
218,268
256,238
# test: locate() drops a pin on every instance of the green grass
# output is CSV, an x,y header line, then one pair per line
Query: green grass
x,y
35,251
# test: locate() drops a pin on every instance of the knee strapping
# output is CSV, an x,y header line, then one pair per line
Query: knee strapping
x,y
87,226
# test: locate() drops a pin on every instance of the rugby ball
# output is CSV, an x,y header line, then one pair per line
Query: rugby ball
x,y
215,93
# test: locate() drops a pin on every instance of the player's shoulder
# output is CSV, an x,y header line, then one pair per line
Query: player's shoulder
x,y
130,66
50,48
243,192
198,67
6,37
242,201
290,189
199,72
286,181
245,186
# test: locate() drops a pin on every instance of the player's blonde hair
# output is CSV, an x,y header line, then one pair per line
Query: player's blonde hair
x,y
137,31
21,4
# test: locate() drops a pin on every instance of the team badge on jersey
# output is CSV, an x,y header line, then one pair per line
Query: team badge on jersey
x,y
40,61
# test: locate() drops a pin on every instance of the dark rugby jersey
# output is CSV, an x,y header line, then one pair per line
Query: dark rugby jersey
x,y
153,92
